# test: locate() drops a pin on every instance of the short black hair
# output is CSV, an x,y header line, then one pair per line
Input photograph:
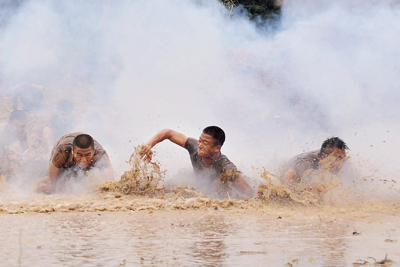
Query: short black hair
x,y
333,142
64,105
216,133
83,141
17,114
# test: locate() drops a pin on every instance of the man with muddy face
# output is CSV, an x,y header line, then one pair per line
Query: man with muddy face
x,y
72,157
205,155
330,157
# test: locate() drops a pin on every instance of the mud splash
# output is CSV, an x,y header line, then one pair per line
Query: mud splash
x,y
141,189
142,179
272,191
145,179
315,191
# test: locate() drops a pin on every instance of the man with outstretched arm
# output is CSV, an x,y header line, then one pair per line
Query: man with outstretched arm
x,y
72,157
205,155
331,155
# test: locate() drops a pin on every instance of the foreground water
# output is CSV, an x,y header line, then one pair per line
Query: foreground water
x,y
110,229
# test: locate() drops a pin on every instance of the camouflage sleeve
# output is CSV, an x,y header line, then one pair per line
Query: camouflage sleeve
x,y
59,157
191,145
228,169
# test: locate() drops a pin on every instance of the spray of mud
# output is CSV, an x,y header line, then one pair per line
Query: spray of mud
x,y
141,179
225,60
321,188
317,189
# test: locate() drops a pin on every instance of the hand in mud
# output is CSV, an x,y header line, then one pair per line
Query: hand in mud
x,y
44,186
145,153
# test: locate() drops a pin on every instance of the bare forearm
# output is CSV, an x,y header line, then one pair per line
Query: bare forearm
x,y
290,177
169,134
159,137
175,137
241,183
47,184
54,172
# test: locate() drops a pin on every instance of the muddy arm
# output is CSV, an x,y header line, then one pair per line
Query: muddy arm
x,y
173,136
290,177
46,185
53,171
241,184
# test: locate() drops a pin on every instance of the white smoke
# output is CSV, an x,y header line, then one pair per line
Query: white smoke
x,y
330,69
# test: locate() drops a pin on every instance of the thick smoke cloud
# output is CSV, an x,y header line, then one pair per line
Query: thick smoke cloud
x,y
330,69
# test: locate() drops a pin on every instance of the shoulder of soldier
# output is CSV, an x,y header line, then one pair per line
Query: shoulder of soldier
x,y
191,141
65,141
61,154
63,148
309,155
99,151
191,144
225,162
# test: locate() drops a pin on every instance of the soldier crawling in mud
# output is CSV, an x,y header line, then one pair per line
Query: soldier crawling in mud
x,y
14,132
71,159
205,155
331,156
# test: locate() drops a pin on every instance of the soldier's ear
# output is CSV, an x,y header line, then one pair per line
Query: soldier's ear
x,y
217,148
324,155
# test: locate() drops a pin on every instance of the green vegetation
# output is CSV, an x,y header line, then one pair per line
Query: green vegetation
x,y
265,9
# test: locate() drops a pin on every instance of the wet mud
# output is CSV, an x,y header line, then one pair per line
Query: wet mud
x,y
140,221
198,238
141,188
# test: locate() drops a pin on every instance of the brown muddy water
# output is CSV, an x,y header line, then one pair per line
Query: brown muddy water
x,y
110,229
139,222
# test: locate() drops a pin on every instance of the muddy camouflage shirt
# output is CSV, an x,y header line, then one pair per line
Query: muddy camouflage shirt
x,y
62,156
303,162
222,165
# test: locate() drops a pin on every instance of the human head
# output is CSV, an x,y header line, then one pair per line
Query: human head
x,y
333,142
333,151
64,110
17,115
216,133
210,141
17,121
83,150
